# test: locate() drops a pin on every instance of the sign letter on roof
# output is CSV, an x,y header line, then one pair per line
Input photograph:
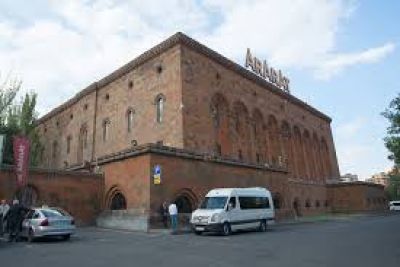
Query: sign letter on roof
x,y
262,69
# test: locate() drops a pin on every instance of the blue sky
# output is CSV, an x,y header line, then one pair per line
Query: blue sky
x,y
341,56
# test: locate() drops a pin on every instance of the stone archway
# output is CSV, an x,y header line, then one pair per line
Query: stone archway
x,y
118,202
116,199
186,201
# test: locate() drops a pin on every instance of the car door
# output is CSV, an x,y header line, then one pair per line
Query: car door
x,y
26,223
233,212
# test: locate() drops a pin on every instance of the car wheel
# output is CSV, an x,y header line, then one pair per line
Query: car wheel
x,y
66,237
226,229
31,236
263,226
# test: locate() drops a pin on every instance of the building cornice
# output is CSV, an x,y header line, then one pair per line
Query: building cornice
x,y
180,38
151,148
54,172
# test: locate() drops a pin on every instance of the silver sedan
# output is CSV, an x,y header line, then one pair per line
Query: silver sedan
x,y
46,221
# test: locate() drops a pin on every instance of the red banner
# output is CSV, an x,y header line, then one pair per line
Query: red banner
x,y
21,159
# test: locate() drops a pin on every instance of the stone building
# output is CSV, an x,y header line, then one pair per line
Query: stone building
x,y
207,121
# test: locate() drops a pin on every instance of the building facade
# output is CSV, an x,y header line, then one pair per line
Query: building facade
x,y
348,178
184,97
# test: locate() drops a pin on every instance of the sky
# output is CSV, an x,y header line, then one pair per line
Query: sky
x,y
341,56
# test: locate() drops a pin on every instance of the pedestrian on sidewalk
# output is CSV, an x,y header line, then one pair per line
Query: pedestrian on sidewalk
x,y
164,213
15,216
173,213
4,207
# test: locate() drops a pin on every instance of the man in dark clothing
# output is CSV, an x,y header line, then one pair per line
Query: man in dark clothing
x,y
164,214
15,216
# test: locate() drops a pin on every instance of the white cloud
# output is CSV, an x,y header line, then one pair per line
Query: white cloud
x,y
357,152
76,42
337,63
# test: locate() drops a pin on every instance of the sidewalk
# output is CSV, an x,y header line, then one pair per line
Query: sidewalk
x,y
332,217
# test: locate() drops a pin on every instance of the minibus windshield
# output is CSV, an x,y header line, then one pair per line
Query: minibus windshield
x,y
211,203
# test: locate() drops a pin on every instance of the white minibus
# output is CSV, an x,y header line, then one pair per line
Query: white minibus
x,y
229,209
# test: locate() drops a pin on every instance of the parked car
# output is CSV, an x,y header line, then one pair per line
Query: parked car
x,y
47,221
228,209
394,205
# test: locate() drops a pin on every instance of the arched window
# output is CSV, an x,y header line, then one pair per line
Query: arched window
x,y
69,138
54,155
160,103
129,119
308,203
106,129
277,199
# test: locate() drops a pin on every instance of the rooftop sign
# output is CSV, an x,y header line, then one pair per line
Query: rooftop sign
x,y
262,69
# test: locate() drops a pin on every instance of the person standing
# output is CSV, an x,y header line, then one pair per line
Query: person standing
x,y
164,214
4,207
173,213
15,216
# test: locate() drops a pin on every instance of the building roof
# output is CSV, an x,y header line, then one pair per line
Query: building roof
x,y
180,38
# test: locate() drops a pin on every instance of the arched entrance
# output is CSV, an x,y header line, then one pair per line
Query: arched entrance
x,y
115,199
185,201
118,202
184,204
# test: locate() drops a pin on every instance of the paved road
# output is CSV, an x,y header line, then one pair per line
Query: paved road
x,y
365,241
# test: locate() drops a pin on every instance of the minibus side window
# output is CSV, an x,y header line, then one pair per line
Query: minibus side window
x,y
254,203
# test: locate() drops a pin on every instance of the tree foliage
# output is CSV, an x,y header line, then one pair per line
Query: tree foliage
x,y
8,91
393,189
392,140
18,119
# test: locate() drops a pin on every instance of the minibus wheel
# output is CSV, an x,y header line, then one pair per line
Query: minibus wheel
x,y
263,226
226,229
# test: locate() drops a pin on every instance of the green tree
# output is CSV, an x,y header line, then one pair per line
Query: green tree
x,y
393,189
18,119
392,140
8,91
21,121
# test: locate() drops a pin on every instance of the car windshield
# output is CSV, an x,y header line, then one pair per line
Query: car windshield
x,y
211,203
51,213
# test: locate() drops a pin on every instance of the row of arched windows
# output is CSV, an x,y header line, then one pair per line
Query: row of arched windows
x,y
251,137
105,134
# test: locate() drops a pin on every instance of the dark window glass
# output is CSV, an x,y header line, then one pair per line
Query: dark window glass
x,y
232,202
254,203
30,214
210,203
52,213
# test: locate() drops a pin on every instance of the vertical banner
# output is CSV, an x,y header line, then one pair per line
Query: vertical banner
x,y
2,138
21,159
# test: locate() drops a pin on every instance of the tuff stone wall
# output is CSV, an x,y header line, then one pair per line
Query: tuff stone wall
x,y
78,193
82,120
232,116
357,197
211,105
